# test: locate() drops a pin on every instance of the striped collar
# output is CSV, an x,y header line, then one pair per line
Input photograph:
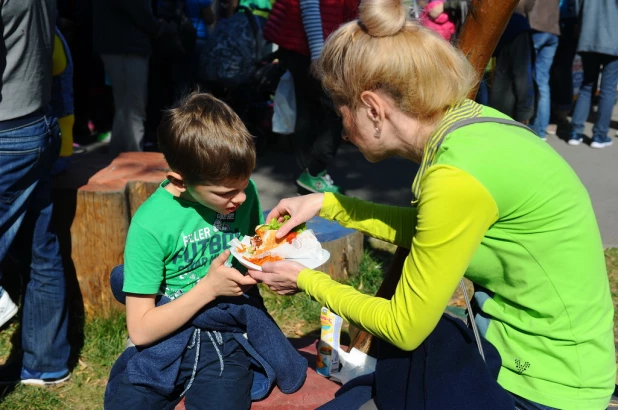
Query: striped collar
x,y
460,111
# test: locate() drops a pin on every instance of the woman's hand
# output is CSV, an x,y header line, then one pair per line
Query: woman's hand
x,y
281,277
300,209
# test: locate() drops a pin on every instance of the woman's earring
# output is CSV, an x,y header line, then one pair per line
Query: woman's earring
x,y
377,134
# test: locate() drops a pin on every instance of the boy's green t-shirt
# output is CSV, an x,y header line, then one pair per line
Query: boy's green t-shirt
x,y
172,242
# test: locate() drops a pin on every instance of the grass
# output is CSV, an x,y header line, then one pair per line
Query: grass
x,y
104,339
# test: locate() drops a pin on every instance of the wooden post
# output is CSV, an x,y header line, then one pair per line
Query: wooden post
x,y
480,34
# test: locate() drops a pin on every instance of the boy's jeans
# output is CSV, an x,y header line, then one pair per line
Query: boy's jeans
x,y
214,386
592,66
26,155
545,45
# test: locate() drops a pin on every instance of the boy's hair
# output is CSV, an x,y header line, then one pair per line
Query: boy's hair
x,y
205,142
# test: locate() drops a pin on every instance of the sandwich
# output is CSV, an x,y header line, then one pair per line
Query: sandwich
x,y
265,240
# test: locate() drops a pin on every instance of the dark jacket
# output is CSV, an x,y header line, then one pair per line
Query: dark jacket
x,y
512,90
123,27
599,27
545,16
445,372
157,366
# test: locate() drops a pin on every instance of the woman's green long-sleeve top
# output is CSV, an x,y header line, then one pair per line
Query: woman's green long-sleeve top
x,y
500,207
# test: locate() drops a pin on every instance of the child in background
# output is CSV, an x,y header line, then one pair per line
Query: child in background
x,y
437,21
62,99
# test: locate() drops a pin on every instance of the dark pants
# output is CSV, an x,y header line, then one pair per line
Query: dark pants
x,y
27,152
317,133
213,387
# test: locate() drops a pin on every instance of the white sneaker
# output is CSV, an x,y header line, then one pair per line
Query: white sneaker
x,y
8,309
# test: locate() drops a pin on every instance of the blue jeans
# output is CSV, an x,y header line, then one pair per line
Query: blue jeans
x,y
592,63
213,387
545,45
26,156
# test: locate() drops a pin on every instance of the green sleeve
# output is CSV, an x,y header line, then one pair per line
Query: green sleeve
x,y
454,213
143,262
389,223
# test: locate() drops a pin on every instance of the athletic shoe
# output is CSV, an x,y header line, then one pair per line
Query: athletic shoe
x,y
601,141
104,136
320,183
8,309
44,378
576,138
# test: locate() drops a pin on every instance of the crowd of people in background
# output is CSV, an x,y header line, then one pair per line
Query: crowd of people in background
x,y
160,50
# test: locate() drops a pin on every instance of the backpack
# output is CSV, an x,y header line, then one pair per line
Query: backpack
x,y
233,50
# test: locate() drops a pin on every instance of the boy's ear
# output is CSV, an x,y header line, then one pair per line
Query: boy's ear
x,y
176,180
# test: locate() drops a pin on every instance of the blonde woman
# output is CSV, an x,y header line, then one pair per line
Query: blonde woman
x,y
492,203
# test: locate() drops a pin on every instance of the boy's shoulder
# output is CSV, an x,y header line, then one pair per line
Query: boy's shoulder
x,y
157,207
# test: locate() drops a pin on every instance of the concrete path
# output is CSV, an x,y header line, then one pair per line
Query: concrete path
x,y
389,181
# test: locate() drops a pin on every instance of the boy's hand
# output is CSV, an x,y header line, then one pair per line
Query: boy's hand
x,y
225,281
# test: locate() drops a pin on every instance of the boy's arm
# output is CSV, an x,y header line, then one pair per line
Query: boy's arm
x,y
148,323
144,268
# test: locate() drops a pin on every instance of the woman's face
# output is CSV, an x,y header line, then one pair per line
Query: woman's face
x,y
360,131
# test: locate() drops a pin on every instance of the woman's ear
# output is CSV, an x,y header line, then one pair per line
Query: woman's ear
x,y
176,180
376,106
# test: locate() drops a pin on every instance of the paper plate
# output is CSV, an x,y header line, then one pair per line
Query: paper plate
x,y
310,263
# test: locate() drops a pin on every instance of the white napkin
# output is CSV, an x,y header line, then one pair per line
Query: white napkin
x,y
353,364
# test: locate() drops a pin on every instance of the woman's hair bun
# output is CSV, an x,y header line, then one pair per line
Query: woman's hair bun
x,y
382,18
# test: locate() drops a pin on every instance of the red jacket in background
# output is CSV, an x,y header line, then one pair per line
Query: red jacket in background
x,y
285,25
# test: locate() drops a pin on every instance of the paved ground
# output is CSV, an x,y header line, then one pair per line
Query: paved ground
x,y
389,181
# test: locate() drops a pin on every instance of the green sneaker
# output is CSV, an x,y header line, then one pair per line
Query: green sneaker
x,y
320,183
104,136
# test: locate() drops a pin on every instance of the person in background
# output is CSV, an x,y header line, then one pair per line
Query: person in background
x,y
562,70
123,31
544,19
299,29
30,142
440,22
598,47
512,90
62,99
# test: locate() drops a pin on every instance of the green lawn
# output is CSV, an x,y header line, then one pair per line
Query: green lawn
x,y
104,339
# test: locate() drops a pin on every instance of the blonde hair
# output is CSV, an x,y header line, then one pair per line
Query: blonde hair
x,y
206,142
385,51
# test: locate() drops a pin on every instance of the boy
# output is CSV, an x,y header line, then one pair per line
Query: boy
x,y
176,246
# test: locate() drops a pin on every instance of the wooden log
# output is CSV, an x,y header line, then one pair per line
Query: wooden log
x,y
103,211
480,34
345,247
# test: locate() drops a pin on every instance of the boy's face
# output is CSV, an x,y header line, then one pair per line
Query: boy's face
x,y
223,199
